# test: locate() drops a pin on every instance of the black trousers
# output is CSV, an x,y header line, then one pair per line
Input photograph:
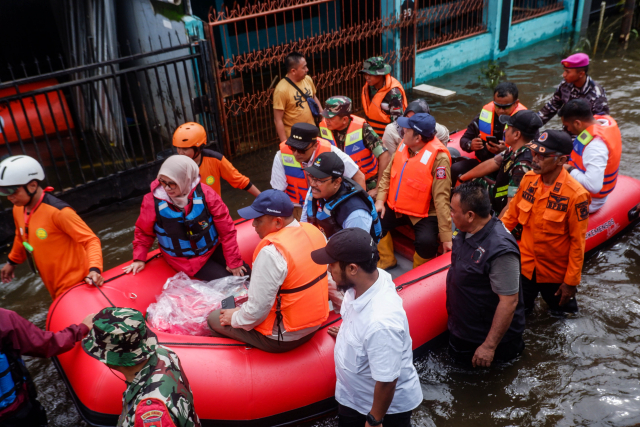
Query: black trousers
x,y
531,288
462,351
426,230
216,267
31,414
348,417
461,167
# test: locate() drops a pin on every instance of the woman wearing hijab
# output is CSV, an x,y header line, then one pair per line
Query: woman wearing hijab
x,y
194,230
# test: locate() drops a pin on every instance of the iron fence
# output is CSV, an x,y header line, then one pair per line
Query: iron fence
x,y
93,118
444,21
527,9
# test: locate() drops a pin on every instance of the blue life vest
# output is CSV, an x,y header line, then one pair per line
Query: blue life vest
x,y
185,236
330,217
8,386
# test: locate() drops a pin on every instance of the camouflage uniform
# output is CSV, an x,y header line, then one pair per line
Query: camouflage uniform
x,y
392,102
159,395
591,92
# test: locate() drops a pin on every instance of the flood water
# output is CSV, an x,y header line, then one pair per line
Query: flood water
x,y
581,370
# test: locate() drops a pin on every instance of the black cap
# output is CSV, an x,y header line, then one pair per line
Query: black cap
x,y
526,121
552,142
417,106
326,165
347,245
302,134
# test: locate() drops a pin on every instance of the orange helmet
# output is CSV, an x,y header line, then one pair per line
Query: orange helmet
x,y
189,135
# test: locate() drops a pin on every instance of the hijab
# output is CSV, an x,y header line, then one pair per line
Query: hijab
x,y
183,171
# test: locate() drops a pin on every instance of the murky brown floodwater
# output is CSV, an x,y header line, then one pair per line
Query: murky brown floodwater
x,y
575,371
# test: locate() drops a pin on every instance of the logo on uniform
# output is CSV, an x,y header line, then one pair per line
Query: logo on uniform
x,y
528,194
558,203
477,255
582,210
556,189
210,180
41,233
508,165
441,172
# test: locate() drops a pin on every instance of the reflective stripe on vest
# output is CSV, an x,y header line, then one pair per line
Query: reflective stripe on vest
x,y
8,386
354,146
412,179
502,191
310,306
185,236
610,134
485,120
373,113
297,185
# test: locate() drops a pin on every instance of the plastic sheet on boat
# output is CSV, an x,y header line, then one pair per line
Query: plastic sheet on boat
x,y
184,304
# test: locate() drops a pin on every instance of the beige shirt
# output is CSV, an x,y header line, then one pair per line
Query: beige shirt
x,y
440,195
294,105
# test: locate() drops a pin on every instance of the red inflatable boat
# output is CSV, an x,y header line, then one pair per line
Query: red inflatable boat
x,y
236,385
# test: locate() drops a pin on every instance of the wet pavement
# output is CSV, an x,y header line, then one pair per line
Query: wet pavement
x,y
580,370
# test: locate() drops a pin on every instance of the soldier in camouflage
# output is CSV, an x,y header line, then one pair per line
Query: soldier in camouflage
x,y
158,393
337,124
383,97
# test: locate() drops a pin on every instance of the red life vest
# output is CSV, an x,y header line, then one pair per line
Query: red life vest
x,y
412,179
610,134
297,185
354,146
303,298
373,113
485,121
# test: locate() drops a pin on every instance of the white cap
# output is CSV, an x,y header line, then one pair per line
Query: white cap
x,y
20,170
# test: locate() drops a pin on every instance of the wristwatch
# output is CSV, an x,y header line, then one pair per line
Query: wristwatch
x,y
372,421
570,169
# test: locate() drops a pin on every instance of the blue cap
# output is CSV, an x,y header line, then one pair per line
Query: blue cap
x,y
269,202
422,123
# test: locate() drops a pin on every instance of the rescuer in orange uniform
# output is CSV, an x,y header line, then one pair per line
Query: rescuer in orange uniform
x,y
188,139
414,191
383,97
49,233
553,209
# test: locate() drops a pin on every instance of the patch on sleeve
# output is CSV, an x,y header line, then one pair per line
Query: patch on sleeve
x,y
153,413
441,172
582,210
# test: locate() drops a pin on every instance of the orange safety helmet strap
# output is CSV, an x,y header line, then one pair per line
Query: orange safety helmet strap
x,y
189,135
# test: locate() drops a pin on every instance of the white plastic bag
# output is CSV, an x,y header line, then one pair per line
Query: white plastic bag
x,y
185,304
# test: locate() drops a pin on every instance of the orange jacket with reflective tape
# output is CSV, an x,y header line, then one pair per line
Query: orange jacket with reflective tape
x,y
412,179
354,146
485,121
297,185
309,307
373,113
610,134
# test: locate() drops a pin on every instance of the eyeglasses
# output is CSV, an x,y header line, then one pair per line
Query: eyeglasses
x,y
315,180
9,190
302,151
170,185
503,106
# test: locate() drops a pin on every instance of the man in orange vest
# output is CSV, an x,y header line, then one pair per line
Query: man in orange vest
x,y
383,97
414,191
298,152
484,135
289,293
189,139
596,150
356,138
553,209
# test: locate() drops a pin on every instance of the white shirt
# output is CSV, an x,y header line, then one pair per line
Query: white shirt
x,y
594,159
374,345
279,179
268,274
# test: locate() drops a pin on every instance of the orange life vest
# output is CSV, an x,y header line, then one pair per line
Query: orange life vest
x,y
412,179
297,185
485,121
373,113
354,146
610,134
303,298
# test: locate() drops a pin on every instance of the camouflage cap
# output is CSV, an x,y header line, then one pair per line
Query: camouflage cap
x,y
376,66
120,337
337,106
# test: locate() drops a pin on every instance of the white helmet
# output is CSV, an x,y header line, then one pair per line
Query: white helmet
x,y
20,170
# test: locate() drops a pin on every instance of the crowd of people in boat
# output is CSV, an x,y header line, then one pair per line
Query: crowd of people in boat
x,y
340,185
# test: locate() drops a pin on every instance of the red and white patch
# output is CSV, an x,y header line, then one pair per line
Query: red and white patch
x,y
441,172
152,412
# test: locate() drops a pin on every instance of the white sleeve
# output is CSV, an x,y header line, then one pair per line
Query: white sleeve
x,y
442,133
268,274
278,178
594,158
303,216
350,167
391,138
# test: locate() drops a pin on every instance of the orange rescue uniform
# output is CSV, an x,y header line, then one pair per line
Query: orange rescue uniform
x,y
554,221
373,113
214,165
64,247
304,295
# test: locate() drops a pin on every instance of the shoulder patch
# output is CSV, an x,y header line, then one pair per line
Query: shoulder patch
x,y
441,172
210,153
152,412
55,202
582,210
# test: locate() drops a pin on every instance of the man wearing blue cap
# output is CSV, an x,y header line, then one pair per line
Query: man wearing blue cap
x,y
414,191
288,294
